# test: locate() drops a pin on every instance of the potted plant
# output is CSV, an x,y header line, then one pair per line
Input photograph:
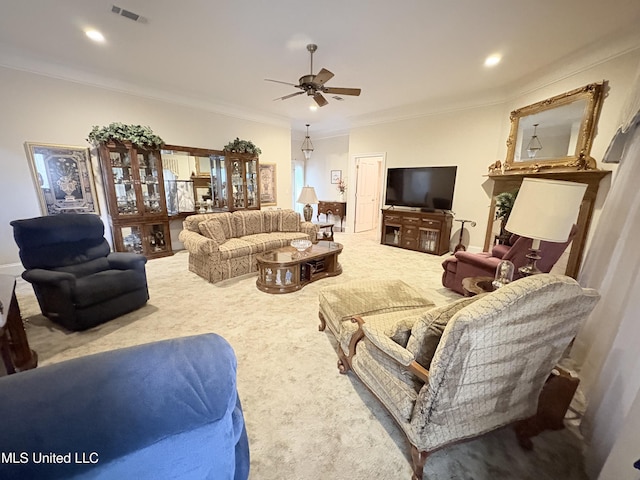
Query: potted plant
x,y
242,146
120,132
504,205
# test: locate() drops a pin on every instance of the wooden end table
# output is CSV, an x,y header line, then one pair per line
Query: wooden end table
x,y
14,347
323,234
286,270
477,285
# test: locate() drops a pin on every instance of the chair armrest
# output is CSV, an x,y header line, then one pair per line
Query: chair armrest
x,y
198,244
310,229
478,259
39,275
386,345
419,371
126,261
135,408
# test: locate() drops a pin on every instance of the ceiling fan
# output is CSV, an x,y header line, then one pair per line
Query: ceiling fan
x,y
313,85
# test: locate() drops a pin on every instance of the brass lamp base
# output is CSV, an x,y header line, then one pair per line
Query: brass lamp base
x,y
531,268
307,212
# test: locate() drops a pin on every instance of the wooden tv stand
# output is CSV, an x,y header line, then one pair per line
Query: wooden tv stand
x,y
428,232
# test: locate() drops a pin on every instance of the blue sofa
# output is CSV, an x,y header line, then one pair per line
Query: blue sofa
x,y
162,410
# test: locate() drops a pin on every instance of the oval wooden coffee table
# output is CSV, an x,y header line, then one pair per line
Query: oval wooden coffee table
x,y
286,269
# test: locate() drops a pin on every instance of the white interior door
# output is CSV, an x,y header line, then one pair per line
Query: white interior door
x,y
367,192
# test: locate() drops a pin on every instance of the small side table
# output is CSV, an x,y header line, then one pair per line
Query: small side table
x,y
326,231
477,285
14,347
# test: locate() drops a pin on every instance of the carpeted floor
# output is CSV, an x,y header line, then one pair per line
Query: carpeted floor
x,y
305,420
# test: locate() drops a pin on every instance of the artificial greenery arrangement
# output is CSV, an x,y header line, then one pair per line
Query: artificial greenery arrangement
x,y
242,146
504,204
136,134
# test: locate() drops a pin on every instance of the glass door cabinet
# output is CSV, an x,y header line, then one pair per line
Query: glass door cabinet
x,y
234,182
134,188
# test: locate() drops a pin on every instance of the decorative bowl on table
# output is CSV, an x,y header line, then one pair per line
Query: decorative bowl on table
x,y
300,244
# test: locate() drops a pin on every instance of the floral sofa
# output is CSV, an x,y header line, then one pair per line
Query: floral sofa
x,y
224,245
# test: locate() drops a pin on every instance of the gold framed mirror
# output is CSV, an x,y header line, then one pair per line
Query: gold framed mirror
x,y
555,133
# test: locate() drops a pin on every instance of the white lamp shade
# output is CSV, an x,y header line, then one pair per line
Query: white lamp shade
x,y
307,196
546,209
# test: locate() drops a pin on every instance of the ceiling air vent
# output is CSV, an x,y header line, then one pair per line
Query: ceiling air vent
x,y
127,14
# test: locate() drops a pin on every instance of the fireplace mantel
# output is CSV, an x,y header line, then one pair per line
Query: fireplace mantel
x,y
510,182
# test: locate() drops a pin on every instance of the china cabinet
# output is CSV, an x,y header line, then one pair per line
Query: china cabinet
x,y
241,191
134,187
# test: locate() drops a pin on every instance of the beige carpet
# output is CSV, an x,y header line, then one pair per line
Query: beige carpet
x,y
305,420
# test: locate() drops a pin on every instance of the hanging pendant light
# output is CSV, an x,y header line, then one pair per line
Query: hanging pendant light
x,y
307,146
534,145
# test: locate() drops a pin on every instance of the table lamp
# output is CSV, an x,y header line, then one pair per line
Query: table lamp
x,y
544,210
307,196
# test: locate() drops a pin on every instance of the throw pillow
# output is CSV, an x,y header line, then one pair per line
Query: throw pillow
x,y
427,331
213,229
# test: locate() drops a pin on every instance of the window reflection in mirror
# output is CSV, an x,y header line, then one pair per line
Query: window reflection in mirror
x,y
178,169
557,131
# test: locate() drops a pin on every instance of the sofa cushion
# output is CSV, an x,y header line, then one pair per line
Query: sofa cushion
x,y
289,221
212,229
87,268
228,224
236,247
271,219
248,223
103,286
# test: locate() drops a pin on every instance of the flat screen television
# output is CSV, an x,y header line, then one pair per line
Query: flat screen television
x,y
428,188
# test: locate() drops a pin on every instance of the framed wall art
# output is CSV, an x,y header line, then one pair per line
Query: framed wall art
x,y
268,186
336,176
63,178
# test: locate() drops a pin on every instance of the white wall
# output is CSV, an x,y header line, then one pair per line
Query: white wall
x,y
329,154
469,139
475,138
41,109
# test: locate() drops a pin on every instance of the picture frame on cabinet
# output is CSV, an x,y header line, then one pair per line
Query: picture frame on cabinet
x,y
63,178
336,176
268,185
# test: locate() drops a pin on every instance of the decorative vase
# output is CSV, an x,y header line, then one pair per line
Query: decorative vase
x,y
341,196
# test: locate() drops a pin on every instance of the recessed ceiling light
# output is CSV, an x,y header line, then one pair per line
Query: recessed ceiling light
x,y
492,60
313,108
94,35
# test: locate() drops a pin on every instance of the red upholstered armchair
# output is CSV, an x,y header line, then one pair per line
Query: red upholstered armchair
x,y
465,264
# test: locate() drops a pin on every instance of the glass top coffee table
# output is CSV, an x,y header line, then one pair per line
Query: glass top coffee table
x,y
286,269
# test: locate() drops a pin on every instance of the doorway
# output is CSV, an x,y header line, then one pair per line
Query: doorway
x,y
368,170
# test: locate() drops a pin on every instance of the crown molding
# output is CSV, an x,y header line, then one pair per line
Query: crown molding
x,y
16,60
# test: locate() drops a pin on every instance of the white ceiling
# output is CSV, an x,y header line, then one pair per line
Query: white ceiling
x,y
406,55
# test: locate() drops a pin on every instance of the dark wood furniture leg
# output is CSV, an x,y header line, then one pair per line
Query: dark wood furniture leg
x,y
16,353
553,404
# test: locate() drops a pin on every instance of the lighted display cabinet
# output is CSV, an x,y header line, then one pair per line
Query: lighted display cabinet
x,y
243,191
134,188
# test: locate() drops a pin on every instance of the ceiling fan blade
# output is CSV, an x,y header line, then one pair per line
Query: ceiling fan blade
x,y
320,100
278,81
342,91
288,96
322,76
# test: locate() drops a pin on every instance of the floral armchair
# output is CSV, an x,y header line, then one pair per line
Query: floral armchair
x,y
472,366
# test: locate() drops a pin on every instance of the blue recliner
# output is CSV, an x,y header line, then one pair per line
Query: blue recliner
x,y
78,283
162,410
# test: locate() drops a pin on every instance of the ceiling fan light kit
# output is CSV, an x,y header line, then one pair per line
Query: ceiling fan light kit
x,y
313,85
